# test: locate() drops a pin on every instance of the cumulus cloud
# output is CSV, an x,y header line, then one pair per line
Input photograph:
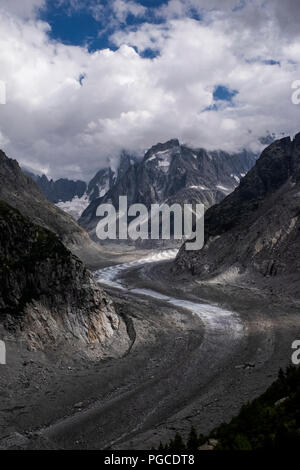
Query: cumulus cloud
x,y
113,12
24,8
69,110
124,8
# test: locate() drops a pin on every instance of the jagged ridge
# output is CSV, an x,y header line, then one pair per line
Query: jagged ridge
x,y
172,172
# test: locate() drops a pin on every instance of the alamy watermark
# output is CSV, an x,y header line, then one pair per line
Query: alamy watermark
x,y
2,353
296,353
296,93
2,92
161,222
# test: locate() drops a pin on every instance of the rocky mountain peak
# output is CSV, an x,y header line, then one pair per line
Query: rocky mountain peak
x,y
171,172
100,183
161,147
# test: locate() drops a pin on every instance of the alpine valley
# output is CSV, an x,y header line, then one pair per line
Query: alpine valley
x,y
122,346
150,228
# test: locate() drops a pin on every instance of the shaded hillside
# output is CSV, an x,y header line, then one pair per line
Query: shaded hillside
x,y
22,193
257,226
47,296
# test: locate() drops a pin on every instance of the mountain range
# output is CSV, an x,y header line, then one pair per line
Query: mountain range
x,y
171,172
74,197
61,190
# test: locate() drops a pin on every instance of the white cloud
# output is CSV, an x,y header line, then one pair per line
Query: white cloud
x,y
23,8
115,12
123,8
126,101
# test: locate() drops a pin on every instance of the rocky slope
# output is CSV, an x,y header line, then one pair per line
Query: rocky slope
x,y
171,172
47,296
22,193
100,183
61,190
106,178
257,226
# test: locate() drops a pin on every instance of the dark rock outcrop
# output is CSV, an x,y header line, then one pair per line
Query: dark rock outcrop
x,y
100,184
106,178
47,296
257,226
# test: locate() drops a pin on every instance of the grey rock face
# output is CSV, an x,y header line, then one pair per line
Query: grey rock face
x,y
257,226
100,184
174,172
47,296
106,178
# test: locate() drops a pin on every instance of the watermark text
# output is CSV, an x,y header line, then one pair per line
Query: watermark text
x,y
2,92
2,353
296,93
296,353
160,222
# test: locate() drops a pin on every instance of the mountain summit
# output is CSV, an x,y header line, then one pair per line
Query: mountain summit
x,y
171,172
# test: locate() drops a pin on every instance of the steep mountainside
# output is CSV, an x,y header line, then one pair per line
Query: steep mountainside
x,y
100,184
22,193
106,178
258,225
47,296
61,190
174,172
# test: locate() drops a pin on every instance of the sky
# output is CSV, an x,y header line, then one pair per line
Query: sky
x,y
86,79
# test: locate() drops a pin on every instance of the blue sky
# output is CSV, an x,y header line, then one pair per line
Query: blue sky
x,y
78,26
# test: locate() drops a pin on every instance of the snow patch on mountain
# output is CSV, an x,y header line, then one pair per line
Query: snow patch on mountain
x,y
164,163
224,189
103,189
203,188
76,206
163,152
237,179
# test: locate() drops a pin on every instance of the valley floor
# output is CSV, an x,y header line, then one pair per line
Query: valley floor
x,y
172,373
